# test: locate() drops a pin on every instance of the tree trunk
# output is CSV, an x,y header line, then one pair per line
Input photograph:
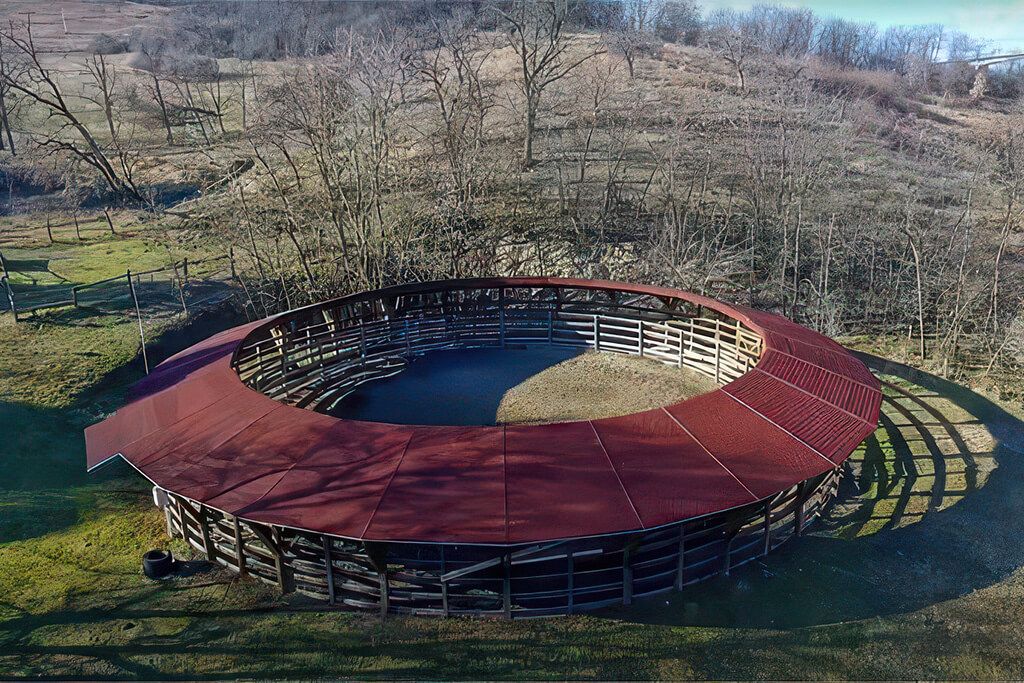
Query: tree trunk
x,y
163,109
531,124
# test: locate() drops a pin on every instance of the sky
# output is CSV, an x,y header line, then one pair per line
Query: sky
x,y
999,21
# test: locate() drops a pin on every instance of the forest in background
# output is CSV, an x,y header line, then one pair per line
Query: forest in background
x,y
858,180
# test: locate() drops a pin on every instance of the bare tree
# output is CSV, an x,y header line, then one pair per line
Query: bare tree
x,y
72,136
730,36
6,75
539,35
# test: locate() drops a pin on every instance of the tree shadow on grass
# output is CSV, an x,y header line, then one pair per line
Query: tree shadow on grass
x,y
932,507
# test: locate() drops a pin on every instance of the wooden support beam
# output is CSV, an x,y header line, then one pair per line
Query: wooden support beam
x,y
272,545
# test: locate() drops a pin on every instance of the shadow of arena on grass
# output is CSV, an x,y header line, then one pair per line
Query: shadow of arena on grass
x,y
931,508
45,487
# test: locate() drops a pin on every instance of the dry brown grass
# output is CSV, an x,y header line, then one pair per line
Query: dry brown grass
x,y
596,385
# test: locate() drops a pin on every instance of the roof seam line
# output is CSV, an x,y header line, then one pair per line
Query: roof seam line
x,y
776,424
815,396
615,472
182,419
824,369
708,451
221,444
387,486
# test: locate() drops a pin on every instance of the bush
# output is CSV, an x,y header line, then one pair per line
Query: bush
x,y
679,22
1006,83
106,44
881,87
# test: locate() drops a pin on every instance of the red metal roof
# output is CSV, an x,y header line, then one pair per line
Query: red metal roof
x,y
193,427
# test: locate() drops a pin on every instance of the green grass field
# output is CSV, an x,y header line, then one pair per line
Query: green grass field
x,y
916,572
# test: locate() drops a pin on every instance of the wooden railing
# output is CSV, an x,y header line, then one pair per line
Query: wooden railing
x,y
533,580
320,354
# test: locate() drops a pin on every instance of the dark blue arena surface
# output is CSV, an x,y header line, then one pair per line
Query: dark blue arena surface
x,y
462,387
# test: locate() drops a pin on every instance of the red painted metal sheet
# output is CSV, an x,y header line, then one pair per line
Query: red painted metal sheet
x,y
838,390
449,487
764,458
194,391
667,474
193,438
822,426
559,477
337,484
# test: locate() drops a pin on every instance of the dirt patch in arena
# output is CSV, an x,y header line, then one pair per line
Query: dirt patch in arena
x,y
596,385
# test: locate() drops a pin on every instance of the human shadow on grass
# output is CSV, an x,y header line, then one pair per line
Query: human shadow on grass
x,y
932,509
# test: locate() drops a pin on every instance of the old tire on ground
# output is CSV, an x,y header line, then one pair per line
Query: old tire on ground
x,y
156,564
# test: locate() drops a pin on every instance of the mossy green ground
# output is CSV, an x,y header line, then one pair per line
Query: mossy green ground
x,y
916,572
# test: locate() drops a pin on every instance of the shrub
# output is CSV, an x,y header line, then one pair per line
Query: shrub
x,y
106,44
881,87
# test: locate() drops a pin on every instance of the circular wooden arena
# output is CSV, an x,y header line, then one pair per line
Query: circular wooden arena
x,y
514,520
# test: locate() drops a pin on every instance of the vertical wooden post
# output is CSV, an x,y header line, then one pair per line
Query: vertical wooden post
x,y
239,548
681,560
551,326
138,313
627,574
231,257
679,358
183,523
170,523
110,221
801,498
49,229
597,333
10,298
571,578
6,277
204,524
329,565
181,289
444,584
384,594
640,337
718,351
501,321
506,585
